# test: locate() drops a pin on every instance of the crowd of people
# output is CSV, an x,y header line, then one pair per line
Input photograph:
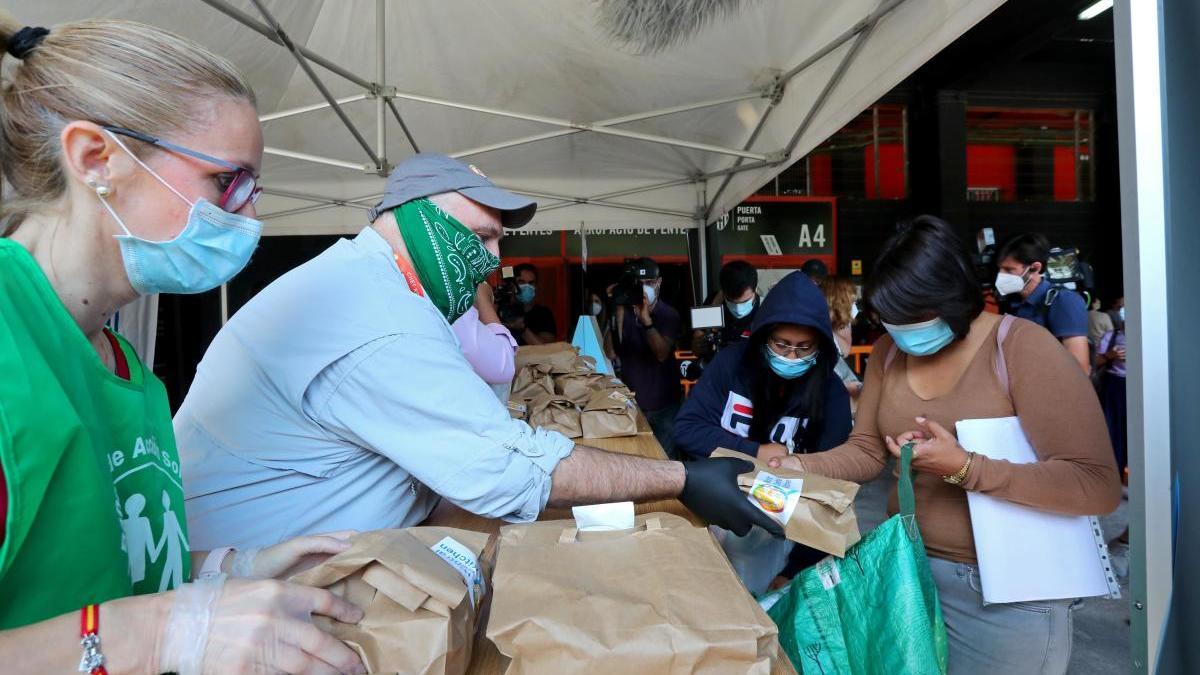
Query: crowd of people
x,y
133,158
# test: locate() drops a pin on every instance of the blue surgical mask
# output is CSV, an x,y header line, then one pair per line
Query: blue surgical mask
x,y
213,247
921,339
526,293
1121,313
740,309
788,369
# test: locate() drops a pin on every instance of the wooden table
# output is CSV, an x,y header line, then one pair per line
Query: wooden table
x,y
485,658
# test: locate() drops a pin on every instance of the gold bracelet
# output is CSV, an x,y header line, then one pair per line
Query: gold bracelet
x,y
961,475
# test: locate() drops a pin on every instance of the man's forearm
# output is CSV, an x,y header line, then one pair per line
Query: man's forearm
x,y
592,476
658,344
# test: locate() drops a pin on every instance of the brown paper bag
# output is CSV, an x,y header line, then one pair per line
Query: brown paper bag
x,y
420,617
824,515
559,357
554,412
661,598
532,381
609,413
579,387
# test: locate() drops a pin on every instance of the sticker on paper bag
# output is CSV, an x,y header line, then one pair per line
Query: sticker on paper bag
x,y
776,497
461,559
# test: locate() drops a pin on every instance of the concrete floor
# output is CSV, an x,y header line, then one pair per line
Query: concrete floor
x,y
1101,642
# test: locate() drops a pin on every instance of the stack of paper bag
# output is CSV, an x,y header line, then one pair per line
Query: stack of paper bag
x,y
814,510
660,598
421,612
555,413
531,381
557,357
579,386
609,413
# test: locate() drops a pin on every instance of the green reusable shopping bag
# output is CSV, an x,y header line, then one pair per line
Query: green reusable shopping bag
x,y
874,612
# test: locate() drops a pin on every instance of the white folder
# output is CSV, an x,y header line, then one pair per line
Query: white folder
x,y
1026,554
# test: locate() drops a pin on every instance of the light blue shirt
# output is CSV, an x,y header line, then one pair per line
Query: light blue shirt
x,y
339,399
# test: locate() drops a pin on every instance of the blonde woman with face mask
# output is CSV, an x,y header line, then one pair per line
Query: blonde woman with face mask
x,y
132,156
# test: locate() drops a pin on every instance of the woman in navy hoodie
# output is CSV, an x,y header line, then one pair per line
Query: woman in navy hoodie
x,y
771,395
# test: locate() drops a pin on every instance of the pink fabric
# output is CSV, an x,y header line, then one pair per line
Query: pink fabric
x,y
489,348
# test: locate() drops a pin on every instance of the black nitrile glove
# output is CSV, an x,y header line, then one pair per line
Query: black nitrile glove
x,y
711,491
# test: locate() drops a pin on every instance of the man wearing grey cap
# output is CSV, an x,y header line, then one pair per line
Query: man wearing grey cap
x,y
338,397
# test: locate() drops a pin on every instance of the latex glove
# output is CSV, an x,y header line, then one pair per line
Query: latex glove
x,y
236,626
711,491
290,557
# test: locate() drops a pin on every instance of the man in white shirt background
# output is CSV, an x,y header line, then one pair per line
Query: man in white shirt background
x,y
339,398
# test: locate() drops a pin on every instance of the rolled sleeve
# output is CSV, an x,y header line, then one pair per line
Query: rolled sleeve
x,y
417,401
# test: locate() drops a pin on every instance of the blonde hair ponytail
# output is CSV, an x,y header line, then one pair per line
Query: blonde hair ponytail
x,y
111,72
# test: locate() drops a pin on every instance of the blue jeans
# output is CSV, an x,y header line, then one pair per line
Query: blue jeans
x,y
1029,638
662,421
757,558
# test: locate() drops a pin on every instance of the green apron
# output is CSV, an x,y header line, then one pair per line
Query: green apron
x,y
95,498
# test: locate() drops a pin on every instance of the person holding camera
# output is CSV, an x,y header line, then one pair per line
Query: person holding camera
x,y
646,331
534,325
739,299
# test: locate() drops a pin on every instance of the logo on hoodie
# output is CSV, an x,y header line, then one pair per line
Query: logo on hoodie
x,y
739,413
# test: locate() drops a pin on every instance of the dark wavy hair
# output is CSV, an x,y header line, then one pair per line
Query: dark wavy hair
x,y
924,272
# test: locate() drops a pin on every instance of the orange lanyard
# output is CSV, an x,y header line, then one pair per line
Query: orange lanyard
x,y
410,275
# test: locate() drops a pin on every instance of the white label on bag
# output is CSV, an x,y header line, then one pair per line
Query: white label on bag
x,y
777,497
827,570
464,561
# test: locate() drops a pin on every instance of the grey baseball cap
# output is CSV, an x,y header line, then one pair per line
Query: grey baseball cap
x,y
428,174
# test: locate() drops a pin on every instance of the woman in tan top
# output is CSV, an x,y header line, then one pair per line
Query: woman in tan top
x,y
938,366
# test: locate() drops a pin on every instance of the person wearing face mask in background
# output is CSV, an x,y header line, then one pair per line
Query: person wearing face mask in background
x,y
942,361
488,345
1022,282
738,296
770,395
842,296
103,208
338,397
644,343
536,325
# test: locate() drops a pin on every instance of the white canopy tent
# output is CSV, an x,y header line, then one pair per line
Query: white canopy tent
x,y
540,96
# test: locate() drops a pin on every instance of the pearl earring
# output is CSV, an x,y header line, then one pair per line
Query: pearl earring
x,y
103,190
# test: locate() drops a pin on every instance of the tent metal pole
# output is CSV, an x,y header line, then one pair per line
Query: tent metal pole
x,y
264,30
403,127
607,123
883,8
329,161
582,126
277,192
702,227
312,75
310,108
309,209
832,84
611,205
855,32
380,76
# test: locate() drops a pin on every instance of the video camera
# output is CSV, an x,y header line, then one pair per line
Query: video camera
x,y
710,320
628,289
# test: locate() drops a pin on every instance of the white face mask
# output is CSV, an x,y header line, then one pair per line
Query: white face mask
x,y
853,311
1011,284
651,293
597,308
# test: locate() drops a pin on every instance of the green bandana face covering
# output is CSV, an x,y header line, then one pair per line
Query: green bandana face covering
x,y
450,259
